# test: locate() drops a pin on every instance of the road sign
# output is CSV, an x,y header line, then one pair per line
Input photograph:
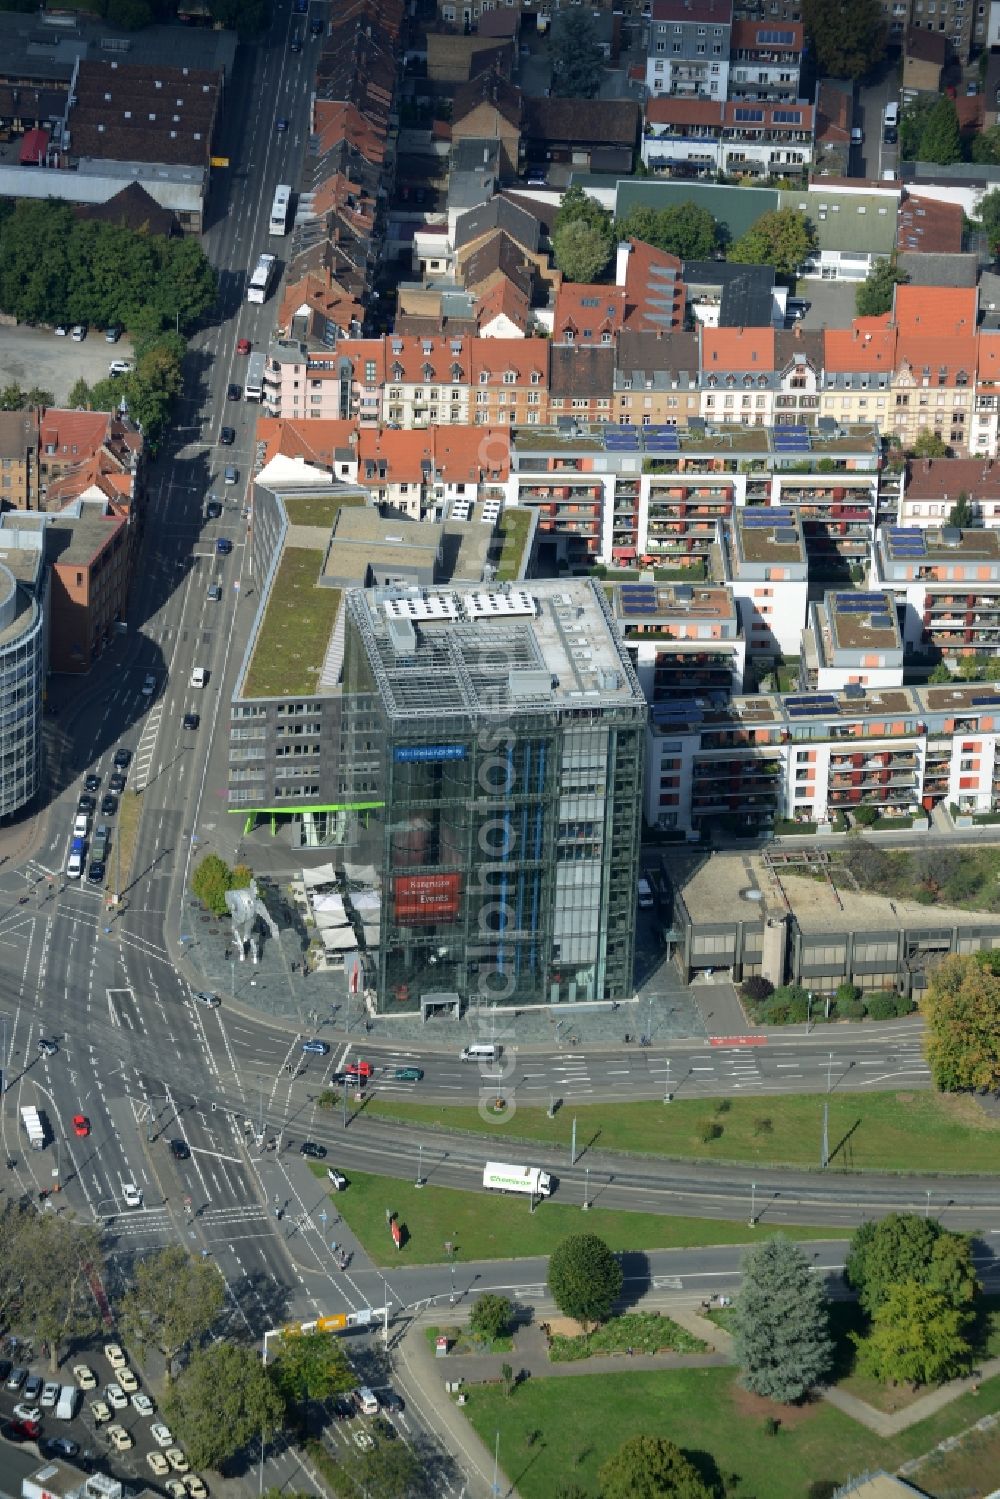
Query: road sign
x,y
331,1324
322,1215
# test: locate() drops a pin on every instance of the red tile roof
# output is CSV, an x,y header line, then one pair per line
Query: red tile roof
x,y
314,441
459,454
745,35
737,349
927,356
588,312
868,345
522,357
940,311
654,289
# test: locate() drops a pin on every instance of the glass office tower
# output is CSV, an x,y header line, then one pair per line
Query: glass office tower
x,y
503,733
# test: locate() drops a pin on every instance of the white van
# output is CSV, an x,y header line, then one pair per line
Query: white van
x,y
365,1401
480,1051
81,825
199,676
66,1405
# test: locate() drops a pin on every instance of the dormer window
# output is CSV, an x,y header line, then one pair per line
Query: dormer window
x,y
397,371
428,372
536,378
509,377
484,377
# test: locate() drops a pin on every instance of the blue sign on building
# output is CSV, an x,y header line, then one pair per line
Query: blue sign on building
x,y
404,753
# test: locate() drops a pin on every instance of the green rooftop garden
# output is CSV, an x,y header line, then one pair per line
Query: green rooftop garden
x,y
514,528
296,628
318,509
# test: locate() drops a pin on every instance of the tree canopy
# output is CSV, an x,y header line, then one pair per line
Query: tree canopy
x,y
781,1327
961,513
577,60
54,266
940,138
585,1278
908,1246
961,1008
988,214
783,238
311,1366
918,1336
49,1263
581,250
223,1401
873,296
649,1467
848,36
490,1317
212,877
683,229
576,204
172,1303
929,445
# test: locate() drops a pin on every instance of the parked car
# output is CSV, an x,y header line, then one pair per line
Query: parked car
x,y
22,1431
101,1411
60,1447
142,1404
33,1386
120,1439
177,1460
161,1434
158,1464
78,333
85,1377
113,333
127,1380
25,1411
115,1355
16,1377
49,1397
116,1397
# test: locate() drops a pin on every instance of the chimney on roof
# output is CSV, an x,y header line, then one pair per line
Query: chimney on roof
x,y
798,330
927,465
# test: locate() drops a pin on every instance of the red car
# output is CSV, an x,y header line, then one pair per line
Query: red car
x,y
23,1431
359,1070
243,347
81,1126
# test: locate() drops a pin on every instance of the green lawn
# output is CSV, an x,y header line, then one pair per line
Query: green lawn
x,y
553,1430
318,509
514,526
899,1131
295,632
490,1227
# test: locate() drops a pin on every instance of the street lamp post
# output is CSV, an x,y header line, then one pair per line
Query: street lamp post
x,y
829,1074
667,1095
753,1205
927,1204
420,1161
496,1468
809,1005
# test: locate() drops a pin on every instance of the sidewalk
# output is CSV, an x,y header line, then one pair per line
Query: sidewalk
x,y
885,1425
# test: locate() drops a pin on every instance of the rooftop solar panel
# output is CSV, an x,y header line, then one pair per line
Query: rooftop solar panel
x,y
986,702
786,536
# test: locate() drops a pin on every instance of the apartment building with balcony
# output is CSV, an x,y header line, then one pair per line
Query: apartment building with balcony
x,y
813,757
735,136
562,475
684,639
947,583
765,60
851,639
766,566
343,385
430,473
985,435
689,48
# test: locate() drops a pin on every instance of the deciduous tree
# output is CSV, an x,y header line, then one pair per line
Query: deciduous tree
x,y
585,1278
683,229
783,238
929,445
961,1007
311,1367
650,1467
210,881
223,1401
63,1259
961,513
873,296
918,1337
781,1327
581,250
908,1246
490,1317
173,1301
390,1469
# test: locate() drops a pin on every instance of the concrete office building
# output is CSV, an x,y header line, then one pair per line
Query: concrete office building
x,y
23,652
753,914
501,731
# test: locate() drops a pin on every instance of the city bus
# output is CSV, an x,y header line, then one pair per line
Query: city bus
x,y
260,282
281,209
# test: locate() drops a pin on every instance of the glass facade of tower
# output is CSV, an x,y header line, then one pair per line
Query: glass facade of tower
x,y
507,845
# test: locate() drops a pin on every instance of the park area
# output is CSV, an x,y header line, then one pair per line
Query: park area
x,y
554,1430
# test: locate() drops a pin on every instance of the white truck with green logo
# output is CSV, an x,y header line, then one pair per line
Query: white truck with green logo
x,y
502,1178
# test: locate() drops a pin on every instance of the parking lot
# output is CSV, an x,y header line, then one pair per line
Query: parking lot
x,y
104,1412
35,357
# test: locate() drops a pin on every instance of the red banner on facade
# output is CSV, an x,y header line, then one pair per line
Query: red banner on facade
x,y
422,899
